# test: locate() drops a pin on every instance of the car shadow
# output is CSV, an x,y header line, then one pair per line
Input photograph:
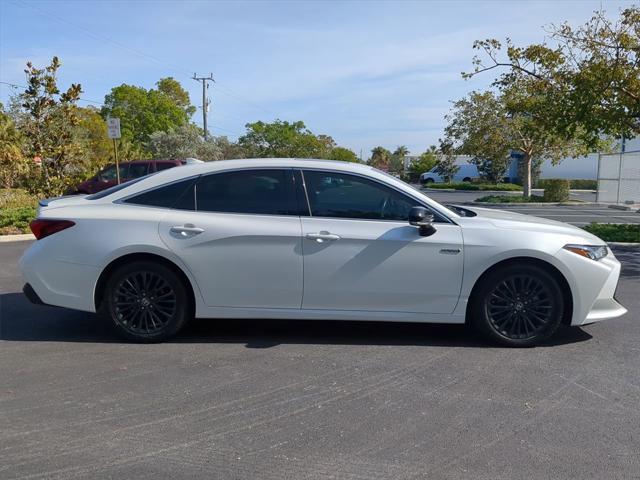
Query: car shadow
x,y
22,321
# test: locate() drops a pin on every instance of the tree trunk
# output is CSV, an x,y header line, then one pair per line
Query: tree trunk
x,y
526,175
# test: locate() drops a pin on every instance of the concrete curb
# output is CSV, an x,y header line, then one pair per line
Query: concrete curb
x,y
16,238
623,244
535,204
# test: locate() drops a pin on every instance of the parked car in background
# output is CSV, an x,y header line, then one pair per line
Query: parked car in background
x,y
466,173
311,239
107,177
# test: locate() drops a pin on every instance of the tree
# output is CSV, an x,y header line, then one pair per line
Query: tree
x,y
589,80
425,162
343,154
396,163
446,165
47,119
13,164
283,139
380,158
183,142
180,97
479,125
91,134
143,112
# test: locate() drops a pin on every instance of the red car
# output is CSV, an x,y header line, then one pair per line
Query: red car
x,y
128,171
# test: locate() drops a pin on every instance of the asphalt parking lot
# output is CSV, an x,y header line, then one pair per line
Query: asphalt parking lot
x,y
292,400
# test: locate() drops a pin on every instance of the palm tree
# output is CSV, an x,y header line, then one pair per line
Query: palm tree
x,y
380,158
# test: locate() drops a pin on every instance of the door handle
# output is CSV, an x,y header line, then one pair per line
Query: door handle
x,y
187,230
323,236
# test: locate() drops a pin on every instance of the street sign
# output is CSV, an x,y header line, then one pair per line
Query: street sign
x,y
113,125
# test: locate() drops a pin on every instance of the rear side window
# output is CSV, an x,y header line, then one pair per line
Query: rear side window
x,y
174,195
110,190
267,192
164,165
137,170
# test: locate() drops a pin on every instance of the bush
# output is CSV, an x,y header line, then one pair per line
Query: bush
x,y
16,220
579,184
510,199
611,232
500,187
556,190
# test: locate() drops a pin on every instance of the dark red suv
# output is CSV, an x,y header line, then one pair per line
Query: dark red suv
x,y
128,171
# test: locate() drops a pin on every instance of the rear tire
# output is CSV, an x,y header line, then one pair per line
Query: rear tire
x,y
517,306
146,302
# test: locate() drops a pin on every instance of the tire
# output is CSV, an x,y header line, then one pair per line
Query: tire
x,y
517,306
466,179
146,302
428,180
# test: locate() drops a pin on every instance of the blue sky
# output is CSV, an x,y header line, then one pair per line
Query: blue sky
x,y
367,73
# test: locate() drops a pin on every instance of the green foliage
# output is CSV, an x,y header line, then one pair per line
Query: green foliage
x,y
343,154
511,199
283,139
17,209
479,125
143,112
578,184
611,232
498,187
446,163
47,119
97,147
423,164
180,97
13,164
380,158
183,142
556,190
396,162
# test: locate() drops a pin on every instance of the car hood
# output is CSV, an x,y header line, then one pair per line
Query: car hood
x,y
519,221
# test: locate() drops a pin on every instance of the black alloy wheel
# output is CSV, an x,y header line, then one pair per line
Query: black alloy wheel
x,y
518,305
147,302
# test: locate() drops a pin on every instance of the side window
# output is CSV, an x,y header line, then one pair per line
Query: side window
x,y
164,165
350,196
267,192
109,173
137,170
178,195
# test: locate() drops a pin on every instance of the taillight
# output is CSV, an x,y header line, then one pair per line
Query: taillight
x,y
42,227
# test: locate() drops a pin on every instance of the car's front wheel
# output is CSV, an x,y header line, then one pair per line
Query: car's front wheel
x,y
146,302
518,306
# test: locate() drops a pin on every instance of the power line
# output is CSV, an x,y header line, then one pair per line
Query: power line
x,y
14,86
224,90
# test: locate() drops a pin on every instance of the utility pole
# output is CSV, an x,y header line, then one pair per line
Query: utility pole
x,y
205,100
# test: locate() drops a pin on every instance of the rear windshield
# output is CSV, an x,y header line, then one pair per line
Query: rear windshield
x,y
108,191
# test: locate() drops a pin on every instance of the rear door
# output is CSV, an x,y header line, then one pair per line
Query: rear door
x,y
241,238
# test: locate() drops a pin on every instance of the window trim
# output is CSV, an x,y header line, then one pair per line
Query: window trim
x,y
439,217
123,200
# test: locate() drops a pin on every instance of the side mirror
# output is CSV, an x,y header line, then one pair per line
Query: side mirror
x,y
421,217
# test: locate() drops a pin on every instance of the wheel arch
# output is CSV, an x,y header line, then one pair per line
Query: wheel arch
x,y
522,260
142,256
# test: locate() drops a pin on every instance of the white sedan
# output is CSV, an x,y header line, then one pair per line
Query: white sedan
x,y
311,239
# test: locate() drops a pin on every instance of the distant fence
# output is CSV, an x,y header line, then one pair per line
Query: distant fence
x,y
619,178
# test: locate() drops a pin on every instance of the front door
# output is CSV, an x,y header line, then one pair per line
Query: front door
x,y
242,242
360,253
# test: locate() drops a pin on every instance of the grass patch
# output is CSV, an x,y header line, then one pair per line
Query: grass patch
x,y
17,209
611,232
500,187
510,199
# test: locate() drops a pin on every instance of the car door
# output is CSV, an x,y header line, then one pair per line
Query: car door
x,y
360,253
241,238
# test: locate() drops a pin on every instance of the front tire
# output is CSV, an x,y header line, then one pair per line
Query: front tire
x,y
146,302
518,306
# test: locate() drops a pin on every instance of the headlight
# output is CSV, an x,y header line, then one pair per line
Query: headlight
x,y
594,252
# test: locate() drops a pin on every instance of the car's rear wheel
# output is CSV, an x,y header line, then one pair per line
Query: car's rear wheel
x,y
518,306
146,302
429,180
